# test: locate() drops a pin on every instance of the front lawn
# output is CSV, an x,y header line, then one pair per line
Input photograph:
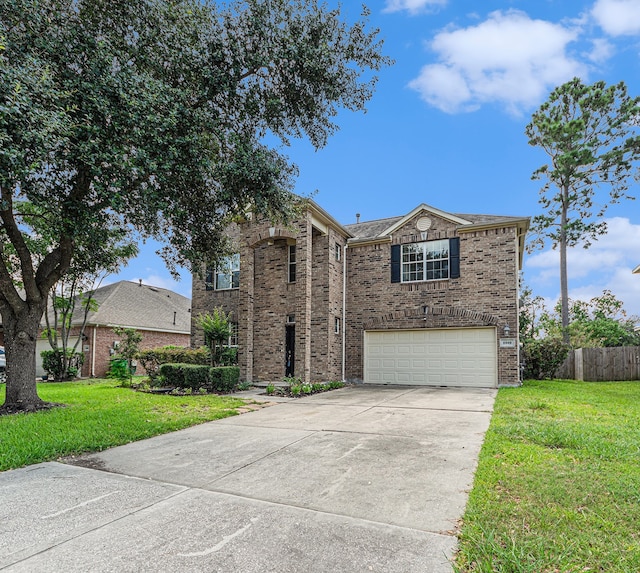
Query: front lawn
x,y
557,488
99,414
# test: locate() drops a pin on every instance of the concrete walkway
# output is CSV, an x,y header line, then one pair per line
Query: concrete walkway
x,y
358,479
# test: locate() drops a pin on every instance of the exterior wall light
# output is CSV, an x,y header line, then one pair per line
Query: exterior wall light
x,y
507,330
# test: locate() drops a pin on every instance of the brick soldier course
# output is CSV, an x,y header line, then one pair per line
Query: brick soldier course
x,y
305,317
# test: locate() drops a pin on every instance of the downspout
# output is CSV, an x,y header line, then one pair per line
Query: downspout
x,y
93,352
344,312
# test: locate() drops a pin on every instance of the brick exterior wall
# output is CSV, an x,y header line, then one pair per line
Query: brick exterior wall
x,y
104,338
485,295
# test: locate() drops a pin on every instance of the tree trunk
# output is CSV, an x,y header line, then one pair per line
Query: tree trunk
x,y
21,336
564,281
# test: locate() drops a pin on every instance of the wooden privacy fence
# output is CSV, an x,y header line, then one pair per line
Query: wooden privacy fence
x,y
600,364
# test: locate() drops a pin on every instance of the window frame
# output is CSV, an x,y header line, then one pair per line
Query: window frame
x,y
230,272
418,263
291,264
232,341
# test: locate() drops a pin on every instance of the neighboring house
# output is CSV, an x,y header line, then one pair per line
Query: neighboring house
x,y
162,316
425,298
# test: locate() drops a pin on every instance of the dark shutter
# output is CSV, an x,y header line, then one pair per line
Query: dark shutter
x,y
208,281
454,258
395,263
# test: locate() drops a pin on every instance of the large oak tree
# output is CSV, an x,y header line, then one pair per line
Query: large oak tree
x,y
151,116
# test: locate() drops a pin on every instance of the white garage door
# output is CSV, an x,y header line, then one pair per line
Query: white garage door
x,y
431,357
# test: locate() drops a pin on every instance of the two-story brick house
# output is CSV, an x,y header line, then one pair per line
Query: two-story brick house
x,y
426,298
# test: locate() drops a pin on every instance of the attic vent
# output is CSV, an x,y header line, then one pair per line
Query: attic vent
x,y
423,224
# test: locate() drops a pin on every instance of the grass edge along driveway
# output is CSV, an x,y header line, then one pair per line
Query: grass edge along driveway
x,y
557,488
99,414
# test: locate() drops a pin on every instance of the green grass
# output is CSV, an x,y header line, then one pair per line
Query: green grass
x,y
99,415
557,487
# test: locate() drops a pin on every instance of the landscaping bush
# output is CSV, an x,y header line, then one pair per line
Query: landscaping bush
x,y
193,376
543,357
53,363
229,356
119,370
224,378
152,359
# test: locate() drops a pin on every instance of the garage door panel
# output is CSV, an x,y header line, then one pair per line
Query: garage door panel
x,y
437,357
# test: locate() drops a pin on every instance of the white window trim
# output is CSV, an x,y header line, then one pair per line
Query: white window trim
x,y
231,266
291,264
424,261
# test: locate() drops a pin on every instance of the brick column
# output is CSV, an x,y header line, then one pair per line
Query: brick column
x,y
304,254
246,313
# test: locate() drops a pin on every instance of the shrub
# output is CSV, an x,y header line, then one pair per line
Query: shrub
x,y
229,356
119,370
192,376
224,378
152,359
543,357
53,363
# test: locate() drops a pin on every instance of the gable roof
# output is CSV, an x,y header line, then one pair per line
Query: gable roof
x,y
636,270
382,228
134,305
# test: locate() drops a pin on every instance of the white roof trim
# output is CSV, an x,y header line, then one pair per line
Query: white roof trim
x,y
428,209
636,270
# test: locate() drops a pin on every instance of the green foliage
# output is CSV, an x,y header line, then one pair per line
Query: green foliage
x,y
113,113
128,348
152,359
194,377
556,488
217,330
589,133
101,415
599,322
119,370
530,310
54,363
543,357
224,378
591,136
229,356
295,387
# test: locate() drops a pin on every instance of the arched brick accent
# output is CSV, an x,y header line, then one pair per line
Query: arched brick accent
x,y
262,234
434,317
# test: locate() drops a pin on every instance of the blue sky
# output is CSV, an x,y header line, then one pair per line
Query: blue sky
x,y
446,126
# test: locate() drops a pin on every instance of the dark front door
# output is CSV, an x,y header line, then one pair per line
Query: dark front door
x,y
290,349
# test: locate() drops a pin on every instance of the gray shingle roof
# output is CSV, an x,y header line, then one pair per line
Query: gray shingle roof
x,y
373,229
133,305
370,229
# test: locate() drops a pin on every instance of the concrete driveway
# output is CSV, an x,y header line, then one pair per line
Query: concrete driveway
x,y
365,478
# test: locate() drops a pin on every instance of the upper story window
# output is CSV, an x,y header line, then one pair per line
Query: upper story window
x,y
228,273
425,261
292,264
338,251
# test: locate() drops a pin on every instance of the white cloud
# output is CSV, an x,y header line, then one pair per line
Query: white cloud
x,y
413,6
618,17
607,264
601,51
509,58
